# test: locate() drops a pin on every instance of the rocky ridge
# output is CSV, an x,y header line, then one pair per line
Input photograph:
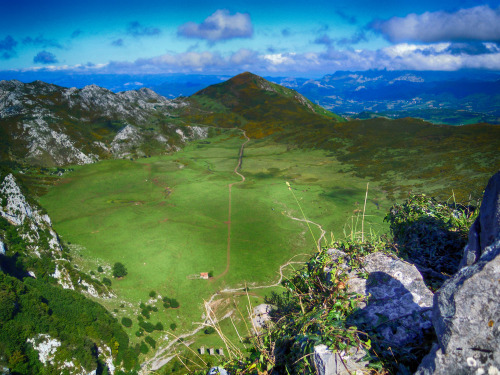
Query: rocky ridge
x,y
44,124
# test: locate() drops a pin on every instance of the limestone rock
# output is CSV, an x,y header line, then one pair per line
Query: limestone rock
x,y
329,363
467,320
466,312
487,226
399,306
261,315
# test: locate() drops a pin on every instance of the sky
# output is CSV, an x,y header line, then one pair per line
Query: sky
x,y
271,37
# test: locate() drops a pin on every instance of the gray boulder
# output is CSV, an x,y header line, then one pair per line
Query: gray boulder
x,y
487,225
466,311
466,318
329,363
399,303
398,309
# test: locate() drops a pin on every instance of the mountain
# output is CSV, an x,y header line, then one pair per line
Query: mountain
x,y
257,105
48,125
440,97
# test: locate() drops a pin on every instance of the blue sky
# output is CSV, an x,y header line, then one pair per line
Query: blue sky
x,y
266,37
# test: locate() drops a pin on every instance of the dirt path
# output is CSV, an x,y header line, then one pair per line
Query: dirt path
x,y
230,186
323,232
164,355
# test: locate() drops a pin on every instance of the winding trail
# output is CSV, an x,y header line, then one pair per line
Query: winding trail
x,y
230,186
323,232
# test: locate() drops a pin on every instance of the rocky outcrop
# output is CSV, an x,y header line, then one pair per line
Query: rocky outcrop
x,y
487,225
397,309
466,312
329,363
50,125
261,315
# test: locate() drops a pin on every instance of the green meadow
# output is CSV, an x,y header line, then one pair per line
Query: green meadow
x,y
166,219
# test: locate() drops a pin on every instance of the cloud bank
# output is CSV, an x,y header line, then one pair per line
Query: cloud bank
x,y
403,56
480,23
221,25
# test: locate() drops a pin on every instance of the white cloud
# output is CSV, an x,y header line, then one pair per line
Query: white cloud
x,y
219,26
480,23
404,56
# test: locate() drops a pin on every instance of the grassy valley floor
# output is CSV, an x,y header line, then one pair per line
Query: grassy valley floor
x,y
166,219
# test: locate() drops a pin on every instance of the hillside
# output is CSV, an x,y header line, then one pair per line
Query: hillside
x,y
257,105
48,125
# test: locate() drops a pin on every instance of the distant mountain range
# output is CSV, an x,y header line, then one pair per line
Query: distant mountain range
x,y
455,98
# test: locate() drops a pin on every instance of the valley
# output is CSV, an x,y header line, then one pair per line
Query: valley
x,y
191,198
166,219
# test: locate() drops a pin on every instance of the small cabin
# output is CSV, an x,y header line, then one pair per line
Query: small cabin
x,y
204,275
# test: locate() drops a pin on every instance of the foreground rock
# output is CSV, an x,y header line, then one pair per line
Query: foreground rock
x,y
486,228
466,313
397,311
399,304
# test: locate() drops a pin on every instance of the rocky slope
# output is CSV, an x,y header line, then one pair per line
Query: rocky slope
x,y
45,124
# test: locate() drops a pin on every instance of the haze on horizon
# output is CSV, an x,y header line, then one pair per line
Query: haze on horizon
x,y
268,38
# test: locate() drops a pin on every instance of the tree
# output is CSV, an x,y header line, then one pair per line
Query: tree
x,y
152,294
173,326
99,269
119,270
127,322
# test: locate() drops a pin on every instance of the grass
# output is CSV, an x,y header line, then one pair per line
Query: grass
x,y
165,219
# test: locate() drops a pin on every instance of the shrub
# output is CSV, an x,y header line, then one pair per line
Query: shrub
x,y
99,269
173,326
159,326
152,294
151,341
145,313
148,327
174,304
127,322
139,333
155,309
209,330
144,348
119,270
106,281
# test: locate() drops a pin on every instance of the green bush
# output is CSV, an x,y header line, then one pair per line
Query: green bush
x,y
127,322
429,233
147,326
159,326
119,270
173,326
151,341
174,304
209,330
99,269
144,348
106,281
152,294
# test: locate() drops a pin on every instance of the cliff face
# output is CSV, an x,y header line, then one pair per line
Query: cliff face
x,y
27,231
